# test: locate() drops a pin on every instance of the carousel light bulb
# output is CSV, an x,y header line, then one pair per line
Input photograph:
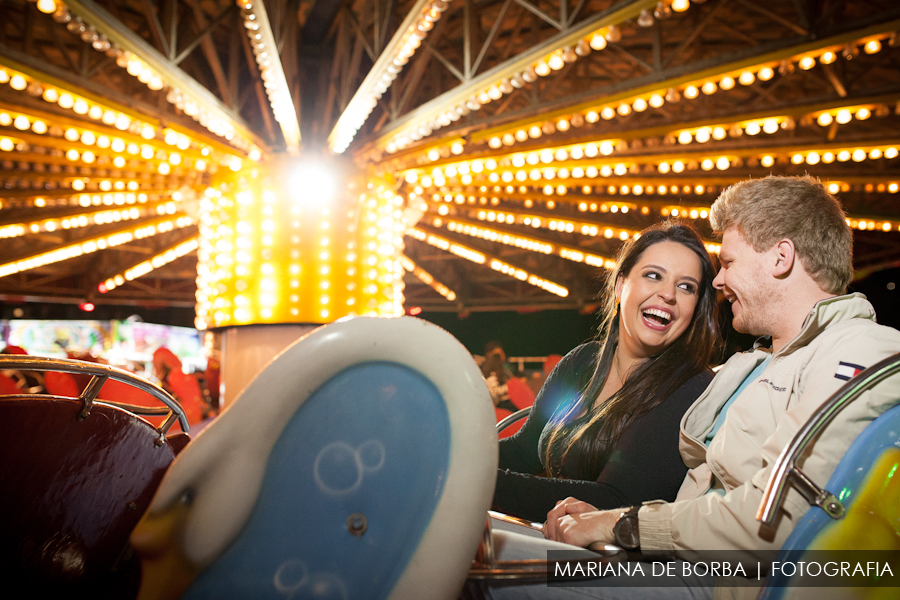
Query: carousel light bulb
x,y
598,41
46,6
18,83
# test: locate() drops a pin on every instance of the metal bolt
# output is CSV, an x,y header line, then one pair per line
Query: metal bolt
x,y
357,524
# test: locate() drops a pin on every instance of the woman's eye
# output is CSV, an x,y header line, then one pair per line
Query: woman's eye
x,y
688,287
652,275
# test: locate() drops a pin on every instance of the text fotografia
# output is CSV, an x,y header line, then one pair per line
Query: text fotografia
x,y
811,569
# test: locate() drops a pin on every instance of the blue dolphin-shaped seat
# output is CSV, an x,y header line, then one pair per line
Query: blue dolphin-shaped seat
x,y
359,463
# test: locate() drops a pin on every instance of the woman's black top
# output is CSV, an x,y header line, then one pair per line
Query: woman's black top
x,y
645,463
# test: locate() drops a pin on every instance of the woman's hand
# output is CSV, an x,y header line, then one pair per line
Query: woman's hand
x,y
569,506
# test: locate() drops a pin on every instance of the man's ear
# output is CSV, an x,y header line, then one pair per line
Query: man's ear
x,y
784,254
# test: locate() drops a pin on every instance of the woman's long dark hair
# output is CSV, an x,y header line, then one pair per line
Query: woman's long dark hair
x,y
597,429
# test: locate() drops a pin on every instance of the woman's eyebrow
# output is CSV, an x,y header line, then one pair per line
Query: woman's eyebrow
x,y
658,267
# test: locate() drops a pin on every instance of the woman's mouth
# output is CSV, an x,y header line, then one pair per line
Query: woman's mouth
x,y
656,318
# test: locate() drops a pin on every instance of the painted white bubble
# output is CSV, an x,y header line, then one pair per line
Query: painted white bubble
x,y
371,456
290,576
337,469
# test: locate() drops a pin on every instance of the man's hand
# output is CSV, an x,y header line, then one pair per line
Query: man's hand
x,y
569,506
580,524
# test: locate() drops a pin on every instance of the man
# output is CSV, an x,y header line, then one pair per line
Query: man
x,y
786,260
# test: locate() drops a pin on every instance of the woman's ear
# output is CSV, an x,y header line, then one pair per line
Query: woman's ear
x,y
620,281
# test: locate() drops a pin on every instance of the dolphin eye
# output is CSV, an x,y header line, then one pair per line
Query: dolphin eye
x,y
187,497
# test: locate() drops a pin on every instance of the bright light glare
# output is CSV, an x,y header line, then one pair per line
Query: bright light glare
x,y
312,183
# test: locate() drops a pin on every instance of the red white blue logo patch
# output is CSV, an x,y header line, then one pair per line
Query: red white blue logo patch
x,y
848,371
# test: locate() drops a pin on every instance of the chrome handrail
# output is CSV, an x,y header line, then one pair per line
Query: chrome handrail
x,y
99,375
786,471
510,419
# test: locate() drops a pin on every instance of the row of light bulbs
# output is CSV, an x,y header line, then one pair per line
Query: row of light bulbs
x,y
148,266
77,221
88,158
594,229
147,147
427,278
575,255
262,43
133,136
78,105
510,174
863,224
583,206
110,117
480,258
468,170
657,99
377,83
134,66
23,120
557,224
109,240
553,62
834,187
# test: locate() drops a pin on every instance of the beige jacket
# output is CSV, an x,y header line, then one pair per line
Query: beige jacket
x,y
760,423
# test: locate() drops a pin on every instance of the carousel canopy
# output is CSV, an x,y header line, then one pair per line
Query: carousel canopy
x,y
523,140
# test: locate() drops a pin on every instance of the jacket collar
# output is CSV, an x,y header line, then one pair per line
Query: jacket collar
x,y
826,312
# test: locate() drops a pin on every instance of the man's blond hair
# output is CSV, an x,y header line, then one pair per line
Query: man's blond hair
x,y
800,209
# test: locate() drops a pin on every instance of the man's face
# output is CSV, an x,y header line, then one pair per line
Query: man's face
x,y
743,279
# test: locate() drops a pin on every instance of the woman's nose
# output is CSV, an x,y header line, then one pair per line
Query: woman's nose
x,y
667,293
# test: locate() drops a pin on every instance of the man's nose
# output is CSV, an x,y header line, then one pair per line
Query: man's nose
x,y
719,281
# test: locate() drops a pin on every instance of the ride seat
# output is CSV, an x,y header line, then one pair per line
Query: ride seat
x,y
860,513
76,475
360,462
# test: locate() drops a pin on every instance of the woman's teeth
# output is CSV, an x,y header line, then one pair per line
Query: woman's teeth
x,y
657,315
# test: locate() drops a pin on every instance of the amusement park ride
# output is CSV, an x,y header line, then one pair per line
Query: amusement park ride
x,y
280,165
504,149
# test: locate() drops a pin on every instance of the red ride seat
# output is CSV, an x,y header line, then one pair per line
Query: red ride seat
x,y
72,491
519,393
61,384
8,386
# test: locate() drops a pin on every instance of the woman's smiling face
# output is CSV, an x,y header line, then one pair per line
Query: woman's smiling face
x,y
658,298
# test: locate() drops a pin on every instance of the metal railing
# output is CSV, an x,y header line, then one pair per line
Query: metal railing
x,y
785,472
99,375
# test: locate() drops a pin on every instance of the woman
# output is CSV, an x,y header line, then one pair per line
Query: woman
x,y
604,427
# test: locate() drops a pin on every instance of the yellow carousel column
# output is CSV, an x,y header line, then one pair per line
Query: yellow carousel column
x,y
286,247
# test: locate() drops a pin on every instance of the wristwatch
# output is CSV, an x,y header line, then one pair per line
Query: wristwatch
x,y
626,529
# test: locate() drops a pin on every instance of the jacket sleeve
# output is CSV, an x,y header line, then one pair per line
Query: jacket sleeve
x,y
714,522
